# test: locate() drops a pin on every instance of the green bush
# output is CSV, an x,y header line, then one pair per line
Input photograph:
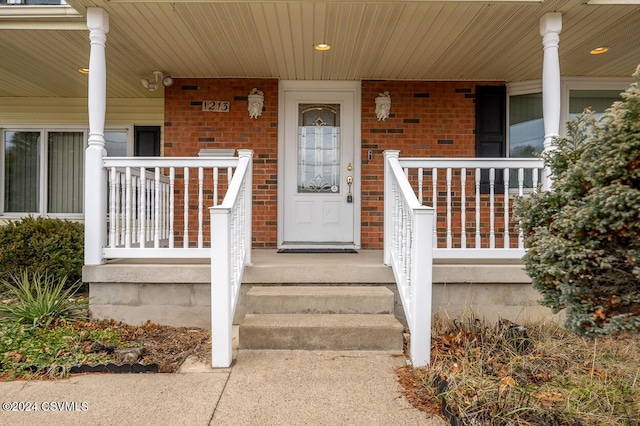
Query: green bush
x,y
41,300
42,245
583,236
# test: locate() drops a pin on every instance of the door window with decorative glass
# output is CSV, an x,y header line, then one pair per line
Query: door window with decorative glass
x,y
319,148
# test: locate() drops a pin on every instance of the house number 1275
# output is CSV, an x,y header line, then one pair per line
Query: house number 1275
x,y
216,106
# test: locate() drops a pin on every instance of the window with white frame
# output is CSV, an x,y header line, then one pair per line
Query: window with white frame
x,y
596,100
43,169
526,127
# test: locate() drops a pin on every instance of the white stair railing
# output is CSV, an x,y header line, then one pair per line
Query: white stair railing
x,y
408,250
414,237
231,231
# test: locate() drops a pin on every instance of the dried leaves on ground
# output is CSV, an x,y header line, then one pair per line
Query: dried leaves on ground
x,y
166,346
507,374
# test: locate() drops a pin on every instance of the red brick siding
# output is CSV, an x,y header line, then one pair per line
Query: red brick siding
x,y
428,119
189,129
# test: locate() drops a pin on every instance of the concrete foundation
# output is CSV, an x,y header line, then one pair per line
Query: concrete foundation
x,y
178,292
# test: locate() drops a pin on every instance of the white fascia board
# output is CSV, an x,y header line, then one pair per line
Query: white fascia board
x,y
613,2
54,17
334,1
14,12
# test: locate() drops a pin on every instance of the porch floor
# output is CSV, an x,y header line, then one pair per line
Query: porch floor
x,y
268,267
366,266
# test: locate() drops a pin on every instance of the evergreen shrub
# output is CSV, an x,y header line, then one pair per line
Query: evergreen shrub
x,y
583,236
41,245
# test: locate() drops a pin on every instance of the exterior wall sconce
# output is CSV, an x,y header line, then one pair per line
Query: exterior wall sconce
x,y
383,105
256,102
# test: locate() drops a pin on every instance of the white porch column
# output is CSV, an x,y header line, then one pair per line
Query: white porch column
x,y
95,178
550,27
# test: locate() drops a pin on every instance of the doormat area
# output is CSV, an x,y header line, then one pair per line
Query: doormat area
x,y
317,251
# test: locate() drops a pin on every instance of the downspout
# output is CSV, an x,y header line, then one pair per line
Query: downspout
x,y
550,27
95,177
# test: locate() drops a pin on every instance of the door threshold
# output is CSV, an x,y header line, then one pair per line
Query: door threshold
x,y
317,246
318,250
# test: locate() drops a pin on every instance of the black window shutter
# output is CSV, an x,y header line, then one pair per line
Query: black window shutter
x,y
491,113
146,141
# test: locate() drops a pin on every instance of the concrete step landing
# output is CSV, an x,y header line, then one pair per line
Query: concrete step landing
x,y
320,318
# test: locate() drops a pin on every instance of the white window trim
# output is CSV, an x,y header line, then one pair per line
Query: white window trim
x,y
516,89
566,85
44,184
584,83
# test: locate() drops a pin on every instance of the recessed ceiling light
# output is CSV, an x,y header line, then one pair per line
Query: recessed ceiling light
x,y
599,50
83,70
321,47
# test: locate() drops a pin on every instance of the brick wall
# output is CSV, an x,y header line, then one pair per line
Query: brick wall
x,y
189,129
428,119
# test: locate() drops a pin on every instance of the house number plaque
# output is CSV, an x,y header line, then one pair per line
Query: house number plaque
x,y
216,106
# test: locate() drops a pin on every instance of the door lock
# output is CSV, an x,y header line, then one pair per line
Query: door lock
x,y
349,196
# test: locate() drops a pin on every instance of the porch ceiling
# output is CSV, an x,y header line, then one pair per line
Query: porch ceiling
x,y
412,40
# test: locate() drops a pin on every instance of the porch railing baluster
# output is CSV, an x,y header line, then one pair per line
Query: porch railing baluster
x,y
113,218
434,180
215,186
463,208
142,208
156,208
128,207
478,235
172,205
506,243
185,238
520,193
492,208
122,209
449,237
200,205
420,179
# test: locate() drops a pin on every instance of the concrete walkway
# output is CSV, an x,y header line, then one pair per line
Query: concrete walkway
x,y
261,388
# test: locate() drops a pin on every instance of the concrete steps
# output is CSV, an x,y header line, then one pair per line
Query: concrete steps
x,y
320,318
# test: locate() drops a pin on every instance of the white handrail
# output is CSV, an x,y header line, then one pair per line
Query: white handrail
x,y
231,230
408,250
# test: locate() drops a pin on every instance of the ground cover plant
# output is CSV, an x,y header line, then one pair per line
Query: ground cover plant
x,y
40,300
505,374
45,331
29,352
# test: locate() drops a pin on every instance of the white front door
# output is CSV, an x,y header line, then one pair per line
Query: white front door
x,y
319,167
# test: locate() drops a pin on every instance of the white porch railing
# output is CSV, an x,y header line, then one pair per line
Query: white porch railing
x,y
473,200
470,218
148,196
156,206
